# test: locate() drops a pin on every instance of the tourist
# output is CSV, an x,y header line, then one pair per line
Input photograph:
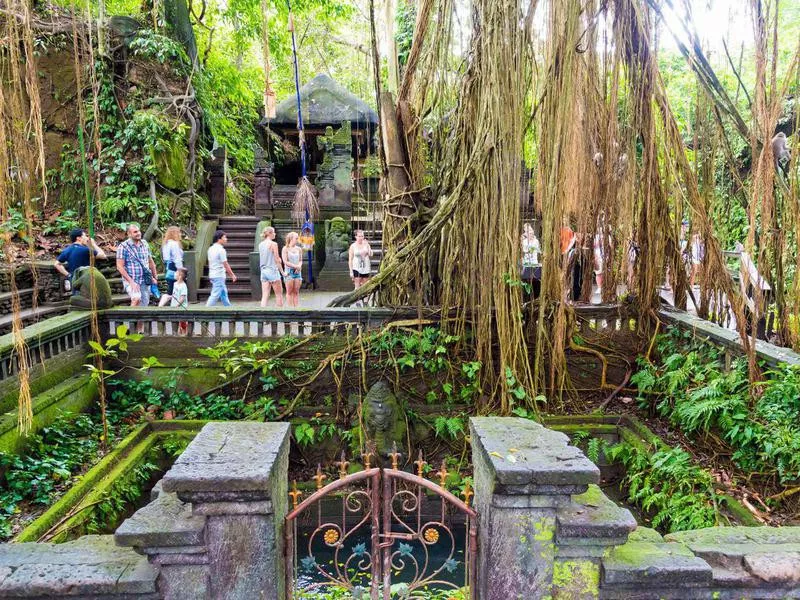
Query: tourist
x,y
358,260
531,268
179,298
137,268
698,253
293,265
271,267
218,268
598,260
633,258
77,255
172,255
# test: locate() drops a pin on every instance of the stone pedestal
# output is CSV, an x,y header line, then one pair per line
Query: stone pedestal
x,y
262,184
531,544
216,166
335,275
216,529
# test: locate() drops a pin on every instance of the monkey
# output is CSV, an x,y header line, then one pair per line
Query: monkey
x,y
780,152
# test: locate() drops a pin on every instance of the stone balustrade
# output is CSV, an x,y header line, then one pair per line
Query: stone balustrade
x,y
214,530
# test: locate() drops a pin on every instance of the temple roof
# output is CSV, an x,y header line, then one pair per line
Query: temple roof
x,y
324,102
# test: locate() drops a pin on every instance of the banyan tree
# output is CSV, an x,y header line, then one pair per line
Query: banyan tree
x,y
572,90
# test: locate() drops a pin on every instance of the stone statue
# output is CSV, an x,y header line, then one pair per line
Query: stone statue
x,y
383,418
82,289
334,173
337,239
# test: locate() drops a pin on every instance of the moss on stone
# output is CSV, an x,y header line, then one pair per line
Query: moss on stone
x,y
43,376
592,428
69,397
130,453
576,579
170,165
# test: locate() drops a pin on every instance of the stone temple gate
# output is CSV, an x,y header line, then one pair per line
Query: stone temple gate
x,y
215,529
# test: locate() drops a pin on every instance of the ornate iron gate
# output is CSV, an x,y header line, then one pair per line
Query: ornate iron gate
x,y
393,533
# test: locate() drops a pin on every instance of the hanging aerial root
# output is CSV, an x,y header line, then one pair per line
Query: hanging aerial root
x,y
305,202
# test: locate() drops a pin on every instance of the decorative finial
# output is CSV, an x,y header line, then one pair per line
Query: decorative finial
x,y
442,473
420,462
395,456
367,458
320,477
343,464
295,494
467,493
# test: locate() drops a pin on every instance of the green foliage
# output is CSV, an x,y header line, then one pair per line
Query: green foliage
x,y
668,485
592,446
237,357
450,428
16,224
53,456
428,349
120,496
230,97
405,20
304,434
149,44
109,350
62,223
691,387
131,397
371,166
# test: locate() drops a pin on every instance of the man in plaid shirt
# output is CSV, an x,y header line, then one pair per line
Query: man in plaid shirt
x,y
136,266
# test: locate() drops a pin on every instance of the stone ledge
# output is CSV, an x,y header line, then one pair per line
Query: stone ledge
x,y
655,564
592,518
228,457
91,566
747,557
737,535
165,522
527,458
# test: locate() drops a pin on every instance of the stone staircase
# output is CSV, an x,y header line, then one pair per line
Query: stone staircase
x,y
241,231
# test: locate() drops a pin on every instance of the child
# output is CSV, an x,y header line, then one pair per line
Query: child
x,y
180,295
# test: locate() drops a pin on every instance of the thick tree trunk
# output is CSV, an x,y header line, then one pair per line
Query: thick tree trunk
x,y
176,13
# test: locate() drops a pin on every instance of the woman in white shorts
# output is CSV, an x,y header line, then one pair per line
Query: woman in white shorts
x,y
271,271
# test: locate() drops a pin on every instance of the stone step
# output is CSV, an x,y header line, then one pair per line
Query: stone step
x,y
29,316
745,557
238,219
592,519
25,297
90,567
240,234
239,244
647,562
163,523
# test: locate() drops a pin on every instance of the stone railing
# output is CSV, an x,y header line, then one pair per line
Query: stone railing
x,y
728,338
215,530
221,322
44,340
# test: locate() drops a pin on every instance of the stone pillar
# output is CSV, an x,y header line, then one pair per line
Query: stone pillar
x,y
216,166
523,474
262,184
235,475
190,262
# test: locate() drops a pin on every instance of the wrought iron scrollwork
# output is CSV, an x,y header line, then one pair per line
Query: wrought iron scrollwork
x,y
388,535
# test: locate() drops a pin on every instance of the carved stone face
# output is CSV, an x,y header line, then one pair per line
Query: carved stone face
x,y
382,404
381,415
